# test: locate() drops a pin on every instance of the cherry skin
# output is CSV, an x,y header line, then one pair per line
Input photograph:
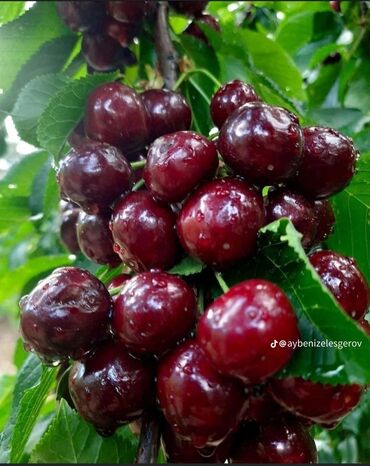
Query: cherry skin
x,y
322,403
238,331
193,8
167,112
87,16
68,232
218,224
78,137
325,215
128,11
279,441
102,53
94,175
177,163
144,232
200,405
262,143
115,114
119,280
194,30
260,405
111,388
345,281
286,203
328,165
65,315
153,312
95,239
229,98
120,32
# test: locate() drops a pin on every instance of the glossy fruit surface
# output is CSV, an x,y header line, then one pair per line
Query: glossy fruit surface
x,y
229,98
167,112
120,32
119,280
111,388
94,175
144,232
86,16
323,403
128,11
241,329
115,114
194,30
329,160
279,441
200,405
177,163
261,407
102,53
65,315
262,143
95,239
218,224
193,8
344,279
153,312
68,231
287,203
326,219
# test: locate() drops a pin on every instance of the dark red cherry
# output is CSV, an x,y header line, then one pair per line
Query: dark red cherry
x,y
278,441
262,143
102,53
111,388
326,219
115,114
329,160
128,11
200,405
95,239
286,203
144,232
218,224
192,8
65,315
86,16
153,312
177,163
94,175
167,112
344,279
68,232
323,403
241,330
194,30
78,137
120,32
229,98
261,407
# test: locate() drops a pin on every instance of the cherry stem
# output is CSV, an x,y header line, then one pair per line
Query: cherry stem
x,y
187,75
138,164
221,282
138,185
147,452
115,291
201,300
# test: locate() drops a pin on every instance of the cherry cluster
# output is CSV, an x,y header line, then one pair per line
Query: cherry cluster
x,y
141,343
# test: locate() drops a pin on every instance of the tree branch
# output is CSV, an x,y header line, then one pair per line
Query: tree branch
x,y
147,451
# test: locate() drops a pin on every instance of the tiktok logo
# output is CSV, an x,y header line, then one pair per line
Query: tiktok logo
x,y
274,343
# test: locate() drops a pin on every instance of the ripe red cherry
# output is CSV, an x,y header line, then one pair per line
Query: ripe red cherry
x,y
167,112
328,165
94,175
325,215
116,114
68,232
260,405
279,441
102,53
262,143
78,137
239,329
200,405
177,163
286,203
230,97
194,30
219,223
128,11
65,315
95,239
120,32
144,232
323,403
346,282
193,8
111,388
87,16
153,312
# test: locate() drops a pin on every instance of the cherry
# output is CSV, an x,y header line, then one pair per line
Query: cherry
x,y
240,329
323,403
262,143
328,165
286,203
86,16
128,11
279,441
260,405
200,405
65,315
167,112
95,239
229,98
119,280
325,215
78,137
153,312
218,224
177,163
94,175
120,32
194,30
111,388
68,232
335,6
116,114
345,281
192,8
144,232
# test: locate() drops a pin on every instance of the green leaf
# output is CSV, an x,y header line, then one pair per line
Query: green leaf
x,y
81,444
358,90
187,266
13,210
343,119
65,109
10,11
6,392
